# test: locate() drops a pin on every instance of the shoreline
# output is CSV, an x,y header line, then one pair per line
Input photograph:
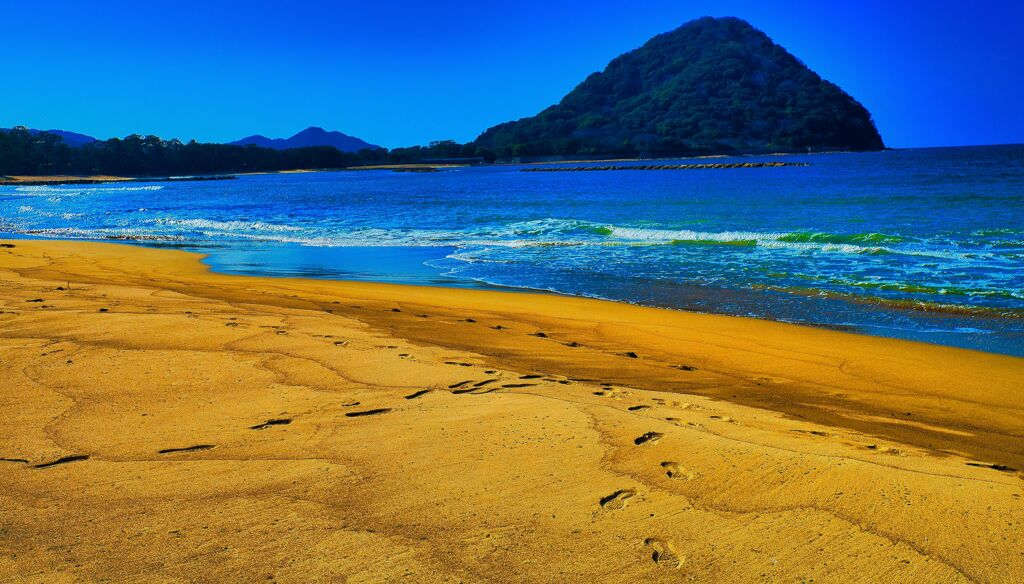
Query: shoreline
x,y
42,180
924,307
555,308
34,181
426,424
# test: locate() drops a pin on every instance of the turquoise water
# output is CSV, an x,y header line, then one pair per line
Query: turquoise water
x,y
921,244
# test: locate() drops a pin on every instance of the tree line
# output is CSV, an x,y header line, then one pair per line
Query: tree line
x,y
44,154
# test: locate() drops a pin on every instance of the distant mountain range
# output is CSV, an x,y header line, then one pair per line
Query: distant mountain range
x,y
70,138
713,85
311,136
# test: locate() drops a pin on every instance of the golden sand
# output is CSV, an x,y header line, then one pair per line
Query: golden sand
x,y
163,423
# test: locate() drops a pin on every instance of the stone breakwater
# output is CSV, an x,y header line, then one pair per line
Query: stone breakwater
x,y
666,166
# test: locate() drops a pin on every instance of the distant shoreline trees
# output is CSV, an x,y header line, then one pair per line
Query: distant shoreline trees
x,y
44,154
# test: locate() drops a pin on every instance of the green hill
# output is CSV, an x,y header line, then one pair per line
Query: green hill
x,y
713,85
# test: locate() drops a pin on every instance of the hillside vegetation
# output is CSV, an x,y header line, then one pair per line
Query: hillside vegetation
x,y
712,85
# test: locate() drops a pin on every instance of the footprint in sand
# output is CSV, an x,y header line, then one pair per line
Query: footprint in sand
x,y
630,354
885,449
663,552
677,472
618,499
417,394
682,424
63,460
488,390
498,327
539,334
186,449
272,422
649,438
813,432
993,466
461,387
375,412
684,367
638,408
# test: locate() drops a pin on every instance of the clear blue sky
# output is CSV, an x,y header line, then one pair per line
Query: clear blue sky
x,y
401,73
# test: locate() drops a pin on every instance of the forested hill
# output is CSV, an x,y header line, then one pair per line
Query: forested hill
x,y
714,85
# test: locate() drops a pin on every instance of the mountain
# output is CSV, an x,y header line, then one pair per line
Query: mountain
x,y
311,136
713,85
72,139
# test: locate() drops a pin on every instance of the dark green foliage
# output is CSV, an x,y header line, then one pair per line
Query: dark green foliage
x,y
22,153
712,85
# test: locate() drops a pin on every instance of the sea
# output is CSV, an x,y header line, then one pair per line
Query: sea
x,y
920,244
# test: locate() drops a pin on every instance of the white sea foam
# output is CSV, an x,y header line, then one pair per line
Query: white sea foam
x,y
774,240
75,190
228,226
688,235
126,234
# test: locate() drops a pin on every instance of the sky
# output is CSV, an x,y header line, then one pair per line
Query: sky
x,y
399,73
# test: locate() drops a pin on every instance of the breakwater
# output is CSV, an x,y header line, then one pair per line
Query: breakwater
x,y
703,166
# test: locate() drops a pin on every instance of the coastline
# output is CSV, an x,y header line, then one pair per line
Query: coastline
x,y
42,180
34,181
758,433
45,180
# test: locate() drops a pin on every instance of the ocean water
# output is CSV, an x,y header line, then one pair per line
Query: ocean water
x,y
921,244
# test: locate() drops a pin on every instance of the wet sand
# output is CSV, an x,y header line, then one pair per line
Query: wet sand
x,y
163,423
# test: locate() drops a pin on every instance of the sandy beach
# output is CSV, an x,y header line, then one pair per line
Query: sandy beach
x,y
166,423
